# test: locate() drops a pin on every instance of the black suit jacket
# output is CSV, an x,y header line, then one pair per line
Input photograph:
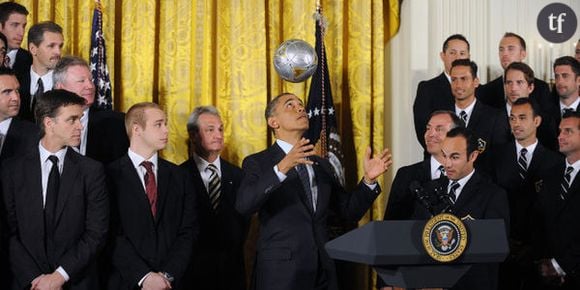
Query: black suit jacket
x,y
479,199
219,251
81,225
106,137
522,194
25,113
402,202
432,95
23,61
290,247
142,243
493,94
491,126
557,224
22,136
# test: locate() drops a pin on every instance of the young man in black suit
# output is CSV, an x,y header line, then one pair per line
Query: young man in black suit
x,y
435,94
56,203
558,214
567,77
519,82
402,201
12,25
520,168
512,48
45,42
292,189
153,222
474,197
489,124
219,252
103,137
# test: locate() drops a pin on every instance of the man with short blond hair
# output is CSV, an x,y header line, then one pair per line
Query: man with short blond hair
x,y
154,220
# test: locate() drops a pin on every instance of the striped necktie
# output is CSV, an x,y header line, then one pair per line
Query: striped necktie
x,y
523,163
214,187
452,196
566,182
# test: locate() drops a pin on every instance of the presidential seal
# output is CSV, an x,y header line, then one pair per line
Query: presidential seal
x,y
444,237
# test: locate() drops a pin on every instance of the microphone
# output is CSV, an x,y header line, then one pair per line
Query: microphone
x,y
440,190
416,188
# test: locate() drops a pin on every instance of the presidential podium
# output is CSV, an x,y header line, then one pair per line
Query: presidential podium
x,y
395,250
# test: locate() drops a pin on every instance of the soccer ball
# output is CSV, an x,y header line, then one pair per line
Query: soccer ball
x,y
295,60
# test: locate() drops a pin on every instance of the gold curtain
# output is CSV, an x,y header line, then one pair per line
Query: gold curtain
x,y
185,53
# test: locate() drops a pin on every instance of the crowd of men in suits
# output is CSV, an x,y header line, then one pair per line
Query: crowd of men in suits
x,y
517,159
88,203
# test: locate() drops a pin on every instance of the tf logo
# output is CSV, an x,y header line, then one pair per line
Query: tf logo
x,y
557,22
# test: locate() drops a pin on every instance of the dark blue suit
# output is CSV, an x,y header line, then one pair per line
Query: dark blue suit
x,y
290,250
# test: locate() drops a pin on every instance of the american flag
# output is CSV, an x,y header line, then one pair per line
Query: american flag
x,y
98,61
320,108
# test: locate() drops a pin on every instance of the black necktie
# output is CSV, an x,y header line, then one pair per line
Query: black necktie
x,y
52,187
567,110
566,182
37,94
523,163
463,116
452,189
214,187
305,179
441,170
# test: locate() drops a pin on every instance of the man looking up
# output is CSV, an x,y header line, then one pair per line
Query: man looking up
x,y
292,191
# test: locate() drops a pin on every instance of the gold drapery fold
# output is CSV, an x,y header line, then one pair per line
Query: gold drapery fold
x,y
182,54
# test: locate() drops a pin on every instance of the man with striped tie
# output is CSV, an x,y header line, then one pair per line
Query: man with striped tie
x,y
219,252
471,196
558,213
520,167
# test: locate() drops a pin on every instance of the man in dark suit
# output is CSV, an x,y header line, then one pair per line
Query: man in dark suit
x,y
519,83
435,94
16,136
45,42
489,124
219,251
558,212
520,167
153,221
512,48
12,25
292,191
402,201
426,174
56,203
103,137
472,196
567,77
